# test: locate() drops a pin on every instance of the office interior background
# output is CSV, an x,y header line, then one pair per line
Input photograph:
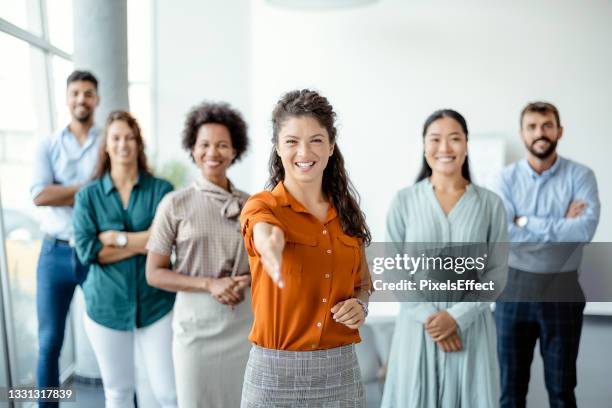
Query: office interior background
x,y
385,65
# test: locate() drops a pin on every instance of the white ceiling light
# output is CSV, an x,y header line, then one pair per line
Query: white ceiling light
x,y
320,4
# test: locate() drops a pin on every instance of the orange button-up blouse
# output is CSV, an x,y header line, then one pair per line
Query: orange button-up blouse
x,y
321,266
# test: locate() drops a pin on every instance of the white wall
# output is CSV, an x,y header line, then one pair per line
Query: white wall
x,y
200,51
386,67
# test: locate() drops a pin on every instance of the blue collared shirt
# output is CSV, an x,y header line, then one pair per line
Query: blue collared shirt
x,y
544,200
60,159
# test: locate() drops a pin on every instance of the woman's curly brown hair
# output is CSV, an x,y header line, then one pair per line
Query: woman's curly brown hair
x,y
336,185
220,113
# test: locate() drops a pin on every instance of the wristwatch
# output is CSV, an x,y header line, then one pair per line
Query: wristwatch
x,y
121,239
364,305
521,221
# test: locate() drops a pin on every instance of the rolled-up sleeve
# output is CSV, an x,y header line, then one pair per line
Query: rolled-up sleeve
x,y
363,279
257,210
43,171
85,229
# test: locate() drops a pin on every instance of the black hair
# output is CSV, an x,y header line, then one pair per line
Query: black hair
x,y
219,113
439,114
78,75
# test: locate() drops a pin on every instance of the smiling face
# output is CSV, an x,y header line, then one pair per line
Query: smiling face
x,y
540,133
445,146
213,151
82,99
304,148
122,144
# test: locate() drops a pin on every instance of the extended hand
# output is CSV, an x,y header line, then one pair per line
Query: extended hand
x,y
349,312
271,251
440,325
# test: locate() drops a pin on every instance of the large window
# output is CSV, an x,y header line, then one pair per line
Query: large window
x,y
24,14
28,102
21,76
36,43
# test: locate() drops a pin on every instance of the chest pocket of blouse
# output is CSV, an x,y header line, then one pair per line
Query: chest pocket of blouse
x,y
298,257
349,253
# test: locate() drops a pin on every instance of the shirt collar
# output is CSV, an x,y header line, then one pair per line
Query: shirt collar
x,y
92,135
203,184
546,173
285,199
231,201
107,182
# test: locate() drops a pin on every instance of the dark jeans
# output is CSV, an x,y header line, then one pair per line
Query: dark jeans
x,y
57,275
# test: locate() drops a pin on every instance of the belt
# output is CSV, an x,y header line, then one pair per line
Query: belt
x,y
55,240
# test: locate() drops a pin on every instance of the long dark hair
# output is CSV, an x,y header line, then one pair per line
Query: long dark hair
x,y
336,185
439,114
104,163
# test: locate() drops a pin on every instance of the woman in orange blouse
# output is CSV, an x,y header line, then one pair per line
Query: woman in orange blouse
x,y
310,280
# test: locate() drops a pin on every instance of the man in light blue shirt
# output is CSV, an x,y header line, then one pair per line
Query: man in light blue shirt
x,y
64,162
549,200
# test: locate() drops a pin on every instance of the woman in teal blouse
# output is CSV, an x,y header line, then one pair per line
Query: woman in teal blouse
x,y
443,349
112,216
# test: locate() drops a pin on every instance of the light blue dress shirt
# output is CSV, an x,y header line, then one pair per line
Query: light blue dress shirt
x,y
60,159
544,200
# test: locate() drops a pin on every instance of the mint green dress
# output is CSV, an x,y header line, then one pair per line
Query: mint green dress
x,y
420,374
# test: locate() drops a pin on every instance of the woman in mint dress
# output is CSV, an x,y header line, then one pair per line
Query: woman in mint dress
x,y
443,352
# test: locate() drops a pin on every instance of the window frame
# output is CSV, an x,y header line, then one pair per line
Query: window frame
x,y
7,330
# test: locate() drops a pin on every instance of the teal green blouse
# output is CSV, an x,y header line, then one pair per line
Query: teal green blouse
x,y
117,294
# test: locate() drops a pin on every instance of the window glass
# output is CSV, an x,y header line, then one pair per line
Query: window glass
x,y
59,20
24,14
61,69
24,103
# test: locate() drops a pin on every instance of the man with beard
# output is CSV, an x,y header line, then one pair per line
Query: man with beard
x,y
64,162
549,200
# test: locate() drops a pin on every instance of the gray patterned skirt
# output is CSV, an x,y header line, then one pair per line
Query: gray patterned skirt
x,y
320,378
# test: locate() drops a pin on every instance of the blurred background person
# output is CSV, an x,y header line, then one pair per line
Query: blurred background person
x,y
311,282
64,162
549,199
443,351
212,314
112,216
